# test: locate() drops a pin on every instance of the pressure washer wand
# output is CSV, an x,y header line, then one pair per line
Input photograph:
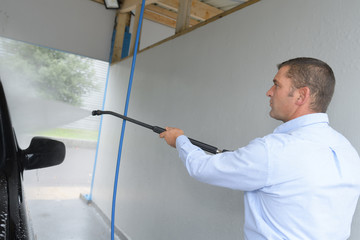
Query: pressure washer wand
x,y
203,146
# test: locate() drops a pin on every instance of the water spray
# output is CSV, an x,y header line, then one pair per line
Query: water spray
x,y
156,129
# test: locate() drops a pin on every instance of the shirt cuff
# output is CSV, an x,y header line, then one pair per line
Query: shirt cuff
x,y
180,141
184,147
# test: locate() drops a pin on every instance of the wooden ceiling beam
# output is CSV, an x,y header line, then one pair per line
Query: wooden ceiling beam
x,y
123,20
183,18
130,5
159,18
199,10
164,16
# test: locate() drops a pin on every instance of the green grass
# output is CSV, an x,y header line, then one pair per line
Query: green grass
x,y
82,134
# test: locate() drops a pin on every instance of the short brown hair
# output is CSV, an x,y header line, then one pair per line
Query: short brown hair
x,y
314,74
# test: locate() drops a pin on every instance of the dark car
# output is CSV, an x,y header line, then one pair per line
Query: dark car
x,y
42,152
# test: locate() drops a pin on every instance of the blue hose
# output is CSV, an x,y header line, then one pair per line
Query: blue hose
x,y
124,121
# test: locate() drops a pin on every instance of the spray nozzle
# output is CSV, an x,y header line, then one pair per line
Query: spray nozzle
x,y
96,112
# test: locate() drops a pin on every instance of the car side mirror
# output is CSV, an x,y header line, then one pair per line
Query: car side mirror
x,y
43,152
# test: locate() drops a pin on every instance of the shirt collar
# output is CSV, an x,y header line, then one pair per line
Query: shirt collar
x,y
302,121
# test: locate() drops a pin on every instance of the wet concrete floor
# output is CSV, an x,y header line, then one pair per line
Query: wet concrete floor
x,y
53,198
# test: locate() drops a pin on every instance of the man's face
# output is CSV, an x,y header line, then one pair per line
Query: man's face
x,y
282,96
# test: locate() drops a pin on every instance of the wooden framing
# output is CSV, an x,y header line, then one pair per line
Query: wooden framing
x,y
135,29
163,16
199,10
183,15
237,8
166,19
122,20
130,5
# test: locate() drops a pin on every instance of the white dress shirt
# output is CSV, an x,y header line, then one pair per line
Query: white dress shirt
x,y
300,182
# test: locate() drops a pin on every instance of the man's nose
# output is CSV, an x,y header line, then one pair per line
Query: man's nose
x,y
269,93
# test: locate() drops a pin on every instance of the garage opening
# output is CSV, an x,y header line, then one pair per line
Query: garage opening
x,y
51,93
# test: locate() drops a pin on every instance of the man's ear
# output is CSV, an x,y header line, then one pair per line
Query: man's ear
x,y
304,96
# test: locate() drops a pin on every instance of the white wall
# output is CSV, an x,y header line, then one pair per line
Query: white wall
x,y
82,27
212,83
152,32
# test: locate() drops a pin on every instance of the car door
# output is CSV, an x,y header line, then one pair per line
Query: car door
x,y
42,152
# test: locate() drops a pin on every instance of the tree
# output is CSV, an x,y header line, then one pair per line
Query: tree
x,y
55,75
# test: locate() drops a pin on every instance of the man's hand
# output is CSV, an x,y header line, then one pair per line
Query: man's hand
x,y
171,134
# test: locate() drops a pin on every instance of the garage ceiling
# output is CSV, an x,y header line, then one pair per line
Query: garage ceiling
x,y
166,11
182,15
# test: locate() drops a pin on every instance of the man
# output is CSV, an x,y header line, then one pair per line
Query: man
x,y
300,182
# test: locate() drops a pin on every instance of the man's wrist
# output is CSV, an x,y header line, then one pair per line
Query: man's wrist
x,y
181,140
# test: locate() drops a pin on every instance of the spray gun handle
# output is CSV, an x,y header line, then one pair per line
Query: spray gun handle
x,y
158,129
203,146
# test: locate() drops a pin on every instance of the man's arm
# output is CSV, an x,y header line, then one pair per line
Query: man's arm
x,y
245,169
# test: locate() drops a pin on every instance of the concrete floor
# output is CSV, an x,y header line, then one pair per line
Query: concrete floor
x,y
53,198
65,219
